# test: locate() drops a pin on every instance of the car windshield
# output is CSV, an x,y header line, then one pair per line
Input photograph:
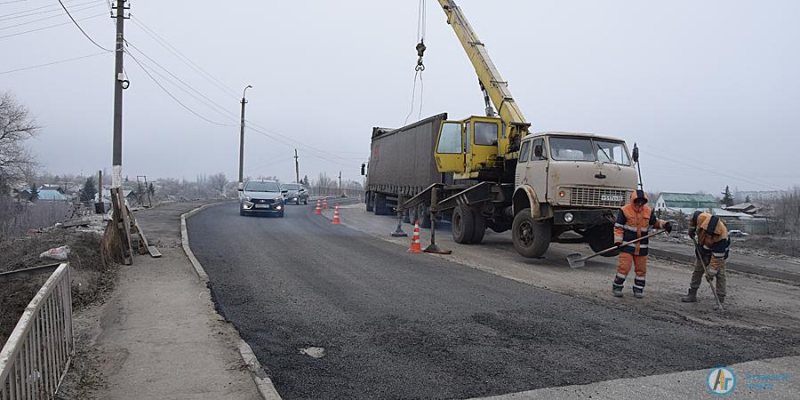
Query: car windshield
x,y
291,186
256,186
588,149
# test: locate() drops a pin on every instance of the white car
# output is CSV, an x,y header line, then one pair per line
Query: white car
x,y
737,233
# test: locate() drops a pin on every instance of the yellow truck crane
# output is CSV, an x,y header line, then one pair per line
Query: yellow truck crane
x,y
545,187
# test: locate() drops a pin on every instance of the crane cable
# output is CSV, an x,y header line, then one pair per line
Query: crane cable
x,y
420,67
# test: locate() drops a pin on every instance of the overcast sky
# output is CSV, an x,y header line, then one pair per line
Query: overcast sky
x,y
710,90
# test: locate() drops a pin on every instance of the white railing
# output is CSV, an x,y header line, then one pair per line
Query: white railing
x,y
38,353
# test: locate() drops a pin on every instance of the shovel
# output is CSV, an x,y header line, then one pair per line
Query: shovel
x,y
705,267
577,261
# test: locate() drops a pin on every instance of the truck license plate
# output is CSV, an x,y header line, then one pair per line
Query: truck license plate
x,y
611,197
262,205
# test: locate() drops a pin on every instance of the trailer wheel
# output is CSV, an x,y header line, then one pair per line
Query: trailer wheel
x,y
368,199
380,204
531,237
601,237
480,227
463,224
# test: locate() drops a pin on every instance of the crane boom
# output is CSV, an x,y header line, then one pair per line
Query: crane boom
x,y
488,74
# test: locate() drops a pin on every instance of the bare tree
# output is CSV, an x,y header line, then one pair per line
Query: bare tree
x,y
16,163
217,183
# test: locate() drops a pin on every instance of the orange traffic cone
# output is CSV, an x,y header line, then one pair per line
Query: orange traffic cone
x,y
325,203
415,246
336,216
318,210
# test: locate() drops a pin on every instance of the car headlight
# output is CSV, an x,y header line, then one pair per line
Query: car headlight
x,y
248,198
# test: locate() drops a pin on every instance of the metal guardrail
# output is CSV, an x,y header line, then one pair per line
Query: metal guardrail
x,y
38,353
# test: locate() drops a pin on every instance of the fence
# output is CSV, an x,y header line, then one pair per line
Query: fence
x,y
37,355
334,191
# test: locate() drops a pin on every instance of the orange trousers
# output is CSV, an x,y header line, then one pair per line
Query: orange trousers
x,y
625,261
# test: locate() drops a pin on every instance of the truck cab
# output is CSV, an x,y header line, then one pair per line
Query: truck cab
x,y
569,182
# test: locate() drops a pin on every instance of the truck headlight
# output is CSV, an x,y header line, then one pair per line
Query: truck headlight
x,y
568,217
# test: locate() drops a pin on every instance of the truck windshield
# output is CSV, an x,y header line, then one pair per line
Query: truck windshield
x,y
256,186
588,149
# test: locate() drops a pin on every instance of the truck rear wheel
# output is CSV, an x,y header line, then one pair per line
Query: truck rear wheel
x,y
463,225
480,227
531,237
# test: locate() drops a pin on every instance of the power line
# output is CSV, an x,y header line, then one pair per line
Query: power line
x,y
183,58
713,172
45,18
31,12
234,118
52,63
171,95
49,27
11,2
81,29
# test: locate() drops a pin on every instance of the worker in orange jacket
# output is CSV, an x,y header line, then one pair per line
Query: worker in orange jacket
x,y
713,243
634,220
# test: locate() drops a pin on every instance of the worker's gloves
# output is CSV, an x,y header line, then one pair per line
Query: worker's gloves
x,y
711,273
617,244
692,233
668,227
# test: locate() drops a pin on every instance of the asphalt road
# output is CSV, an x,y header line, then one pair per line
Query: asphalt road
x,y
397,325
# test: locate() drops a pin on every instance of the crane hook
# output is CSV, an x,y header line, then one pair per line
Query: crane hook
x,y
420,52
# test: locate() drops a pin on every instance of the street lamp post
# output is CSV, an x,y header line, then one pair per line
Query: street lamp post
x,y
241,141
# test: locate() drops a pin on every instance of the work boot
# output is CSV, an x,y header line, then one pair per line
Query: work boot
x,y
638,294
617,291
691,297
721,298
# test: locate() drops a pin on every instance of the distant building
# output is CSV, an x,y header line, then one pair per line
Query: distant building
x,y
748,208
51,195
756,195
687,203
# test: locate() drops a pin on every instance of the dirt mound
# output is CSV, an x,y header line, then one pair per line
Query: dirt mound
x,y
91,276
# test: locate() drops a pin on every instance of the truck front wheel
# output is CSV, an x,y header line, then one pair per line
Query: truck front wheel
x,y
463,225
531,237
480,227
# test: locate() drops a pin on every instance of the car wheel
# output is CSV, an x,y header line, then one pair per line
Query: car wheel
x,y
531,237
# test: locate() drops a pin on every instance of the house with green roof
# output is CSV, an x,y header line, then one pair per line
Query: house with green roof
x,y
685,202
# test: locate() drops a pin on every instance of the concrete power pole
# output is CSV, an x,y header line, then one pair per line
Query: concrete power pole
x,y
241,141
340,183
296,167
119,85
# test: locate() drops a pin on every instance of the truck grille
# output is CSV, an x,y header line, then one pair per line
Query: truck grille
x,y
595,197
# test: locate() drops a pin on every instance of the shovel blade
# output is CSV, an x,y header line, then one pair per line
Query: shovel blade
x,y
576,261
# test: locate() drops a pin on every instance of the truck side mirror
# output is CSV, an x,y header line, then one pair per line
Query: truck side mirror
x,y
538,152
635,153
241,186
363,168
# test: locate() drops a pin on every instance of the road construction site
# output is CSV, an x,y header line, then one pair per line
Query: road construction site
x,y
757,301
345,311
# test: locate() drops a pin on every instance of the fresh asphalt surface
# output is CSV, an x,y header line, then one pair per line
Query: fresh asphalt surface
x,y
400,325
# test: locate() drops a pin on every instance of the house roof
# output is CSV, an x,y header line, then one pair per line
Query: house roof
x,y
689,200
49,194
744,207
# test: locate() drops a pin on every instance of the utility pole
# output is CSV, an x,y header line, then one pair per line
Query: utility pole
x,y
241,141
296,167
119,85
340,183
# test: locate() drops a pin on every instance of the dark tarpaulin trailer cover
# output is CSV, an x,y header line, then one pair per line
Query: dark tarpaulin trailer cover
x,y
402,159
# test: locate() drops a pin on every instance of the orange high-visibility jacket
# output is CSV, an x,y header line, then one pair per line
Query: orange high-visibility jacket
x,y
714,244
632,225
